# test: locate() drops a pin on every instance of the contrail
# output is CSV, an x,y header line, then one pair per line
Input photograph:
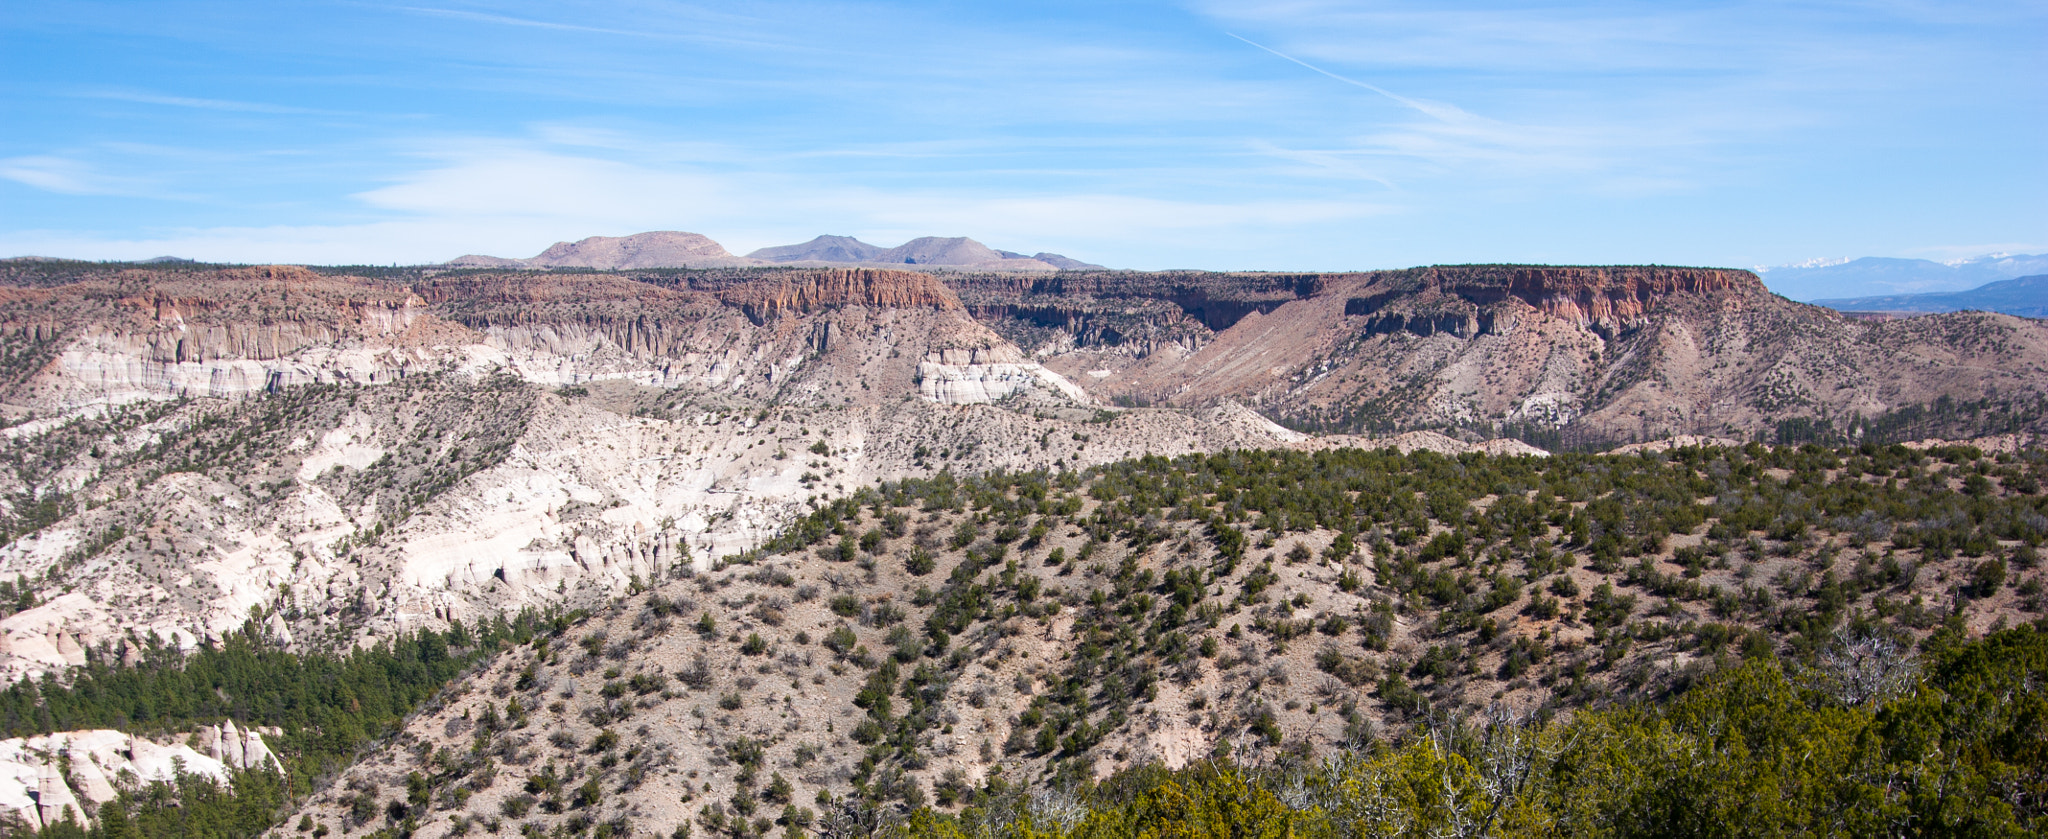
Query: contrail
x,y
1447,113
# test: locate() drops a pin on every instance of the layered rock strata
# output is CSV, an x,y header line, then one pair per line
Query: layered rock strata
x,y
1597,354
357,456
978,375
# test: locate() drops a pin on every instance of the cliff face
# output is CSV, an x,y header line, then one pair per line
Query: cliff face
x,y
232,333
809,291
1706,351
1601,352
258,313
1126,312
573,314
191,328
136,334
1142,313
1610,296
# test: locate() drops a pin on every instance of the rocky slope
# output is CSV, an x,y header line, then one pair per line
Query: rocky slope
x,y
934,642
824,248
960,252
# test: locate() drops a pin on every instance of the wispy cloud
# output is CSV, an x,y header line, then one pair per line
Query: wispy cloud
x,y
660,22
497,179
1452,139
514,198
1552,39
1344,163
1439,110
1319,133
508,20
204,104
69,177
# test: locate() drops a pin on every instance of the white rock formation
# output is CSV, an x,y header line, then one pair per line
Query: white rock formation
x,y
50,636
231,744
982,375
102,762
54,802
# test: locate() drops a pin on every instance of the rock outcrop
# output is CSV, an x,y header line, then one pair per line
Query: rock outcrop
x,y
1609,297
809,291
980,375
53,635
36,790
242,332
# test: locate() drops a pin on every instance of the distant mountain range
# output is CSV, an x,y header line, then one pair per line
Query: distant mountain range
x,y
676,249
2023,296
930,250
1857,278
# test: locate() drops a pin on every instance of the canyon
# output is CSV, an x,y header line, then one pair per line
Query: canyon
x,y
328,457
438,445
443,444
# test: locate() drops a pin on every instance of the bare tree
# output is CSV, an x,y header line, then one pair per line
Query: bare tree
x,y
851,818
1508,754
1503,751
1057,806
1863,667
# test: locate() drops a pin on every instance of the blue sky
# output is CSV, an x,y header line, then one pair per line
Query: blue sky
x,y
1279,135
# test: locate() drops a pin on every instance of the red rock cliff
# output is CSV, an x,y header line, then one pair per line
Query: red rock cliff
x,y
804,291
260,313
1585,293
643,319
